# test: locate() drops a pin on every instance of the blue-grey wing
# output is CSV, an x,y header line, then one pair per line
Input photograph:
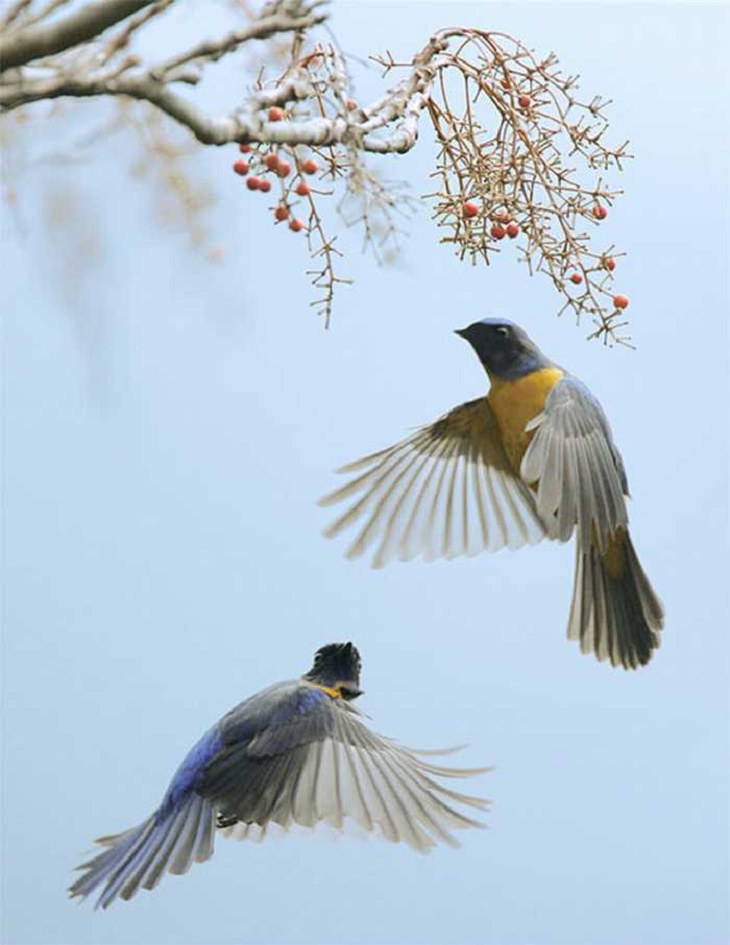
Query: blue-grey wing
x,y
179,832
321,763
575,466
447,490
182,829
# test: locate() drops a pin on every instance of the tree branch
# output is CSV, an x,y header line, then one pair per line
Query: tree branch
x,y
507,125
15,11
23,45
207,129
266,26
389,125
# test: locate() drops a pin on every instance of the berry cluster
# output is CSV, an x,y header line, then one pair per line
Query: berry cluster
x,y
516,163
261,167
302,201
517,158
503,225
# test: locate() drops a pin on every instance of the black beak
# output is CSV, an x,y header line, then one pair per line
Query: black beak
x,y
462,332
351,692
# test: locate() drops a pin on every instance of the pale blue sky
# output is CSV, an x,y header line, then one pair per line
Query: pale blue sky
x,y
168,426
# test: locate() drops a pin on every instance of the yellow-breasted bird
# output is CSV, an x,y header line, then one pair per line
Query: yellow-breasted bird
x,y
535,458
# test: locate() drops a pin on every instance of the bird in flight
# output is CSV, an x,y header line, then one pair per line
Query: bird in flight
x,y
533,459
298,752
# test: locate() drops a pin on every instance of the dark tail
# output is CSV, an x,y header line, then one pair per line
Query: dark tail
x,y
615,612
138,857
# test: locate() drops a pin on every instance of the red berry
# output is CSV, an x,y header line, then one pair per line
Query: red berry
x,y
600,212
524,101
271,161
281,212
283,169
498,232
350,104
265,186
310,166
506,84
244,148
621,301
576,278
296,225
276,113
470,209
513,231
302,188
254,183
241,167
609,263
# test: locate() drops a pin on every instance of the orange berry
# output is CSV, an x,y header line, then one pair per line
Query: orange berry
x,y
271,161
310,166
244,148
265,186
276,113
296,225
283,169
600,212
609,263
506,84
470,209
621,301
501,216
254,183
302,188
513,231
281,212
350,104
524,101
241,167
498,232
576,278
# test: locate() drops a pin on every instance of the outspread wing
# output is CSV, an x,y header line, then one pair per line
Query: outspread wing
x,y
447,490
578,470
324,764
179,832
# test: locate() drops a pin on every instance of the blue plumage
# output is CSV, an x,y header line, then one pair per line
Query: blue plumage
x,y
307,700
296,752
190,771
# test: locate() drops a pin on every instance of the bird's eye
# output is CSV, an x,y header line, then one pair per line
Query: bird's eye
x,y
502,331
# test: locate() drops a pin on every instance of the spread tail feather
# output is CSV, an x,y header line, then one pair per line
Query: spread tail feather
x,y
139,856
617,616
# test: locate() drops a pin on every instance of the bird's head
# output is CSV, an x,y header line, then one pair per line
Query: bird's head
x,y
337,666
505,349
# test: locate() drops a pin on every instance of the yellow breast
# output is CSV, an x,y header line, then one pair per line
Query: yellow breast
x,y
515,403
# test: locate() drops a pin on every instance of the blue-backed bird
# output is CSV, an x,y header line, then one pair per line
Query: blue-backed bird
x,y
295,753
535,458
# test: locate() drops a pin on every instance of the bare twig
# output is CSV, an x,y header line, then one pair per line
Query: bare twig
x,y
506,124
264,27
15,12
